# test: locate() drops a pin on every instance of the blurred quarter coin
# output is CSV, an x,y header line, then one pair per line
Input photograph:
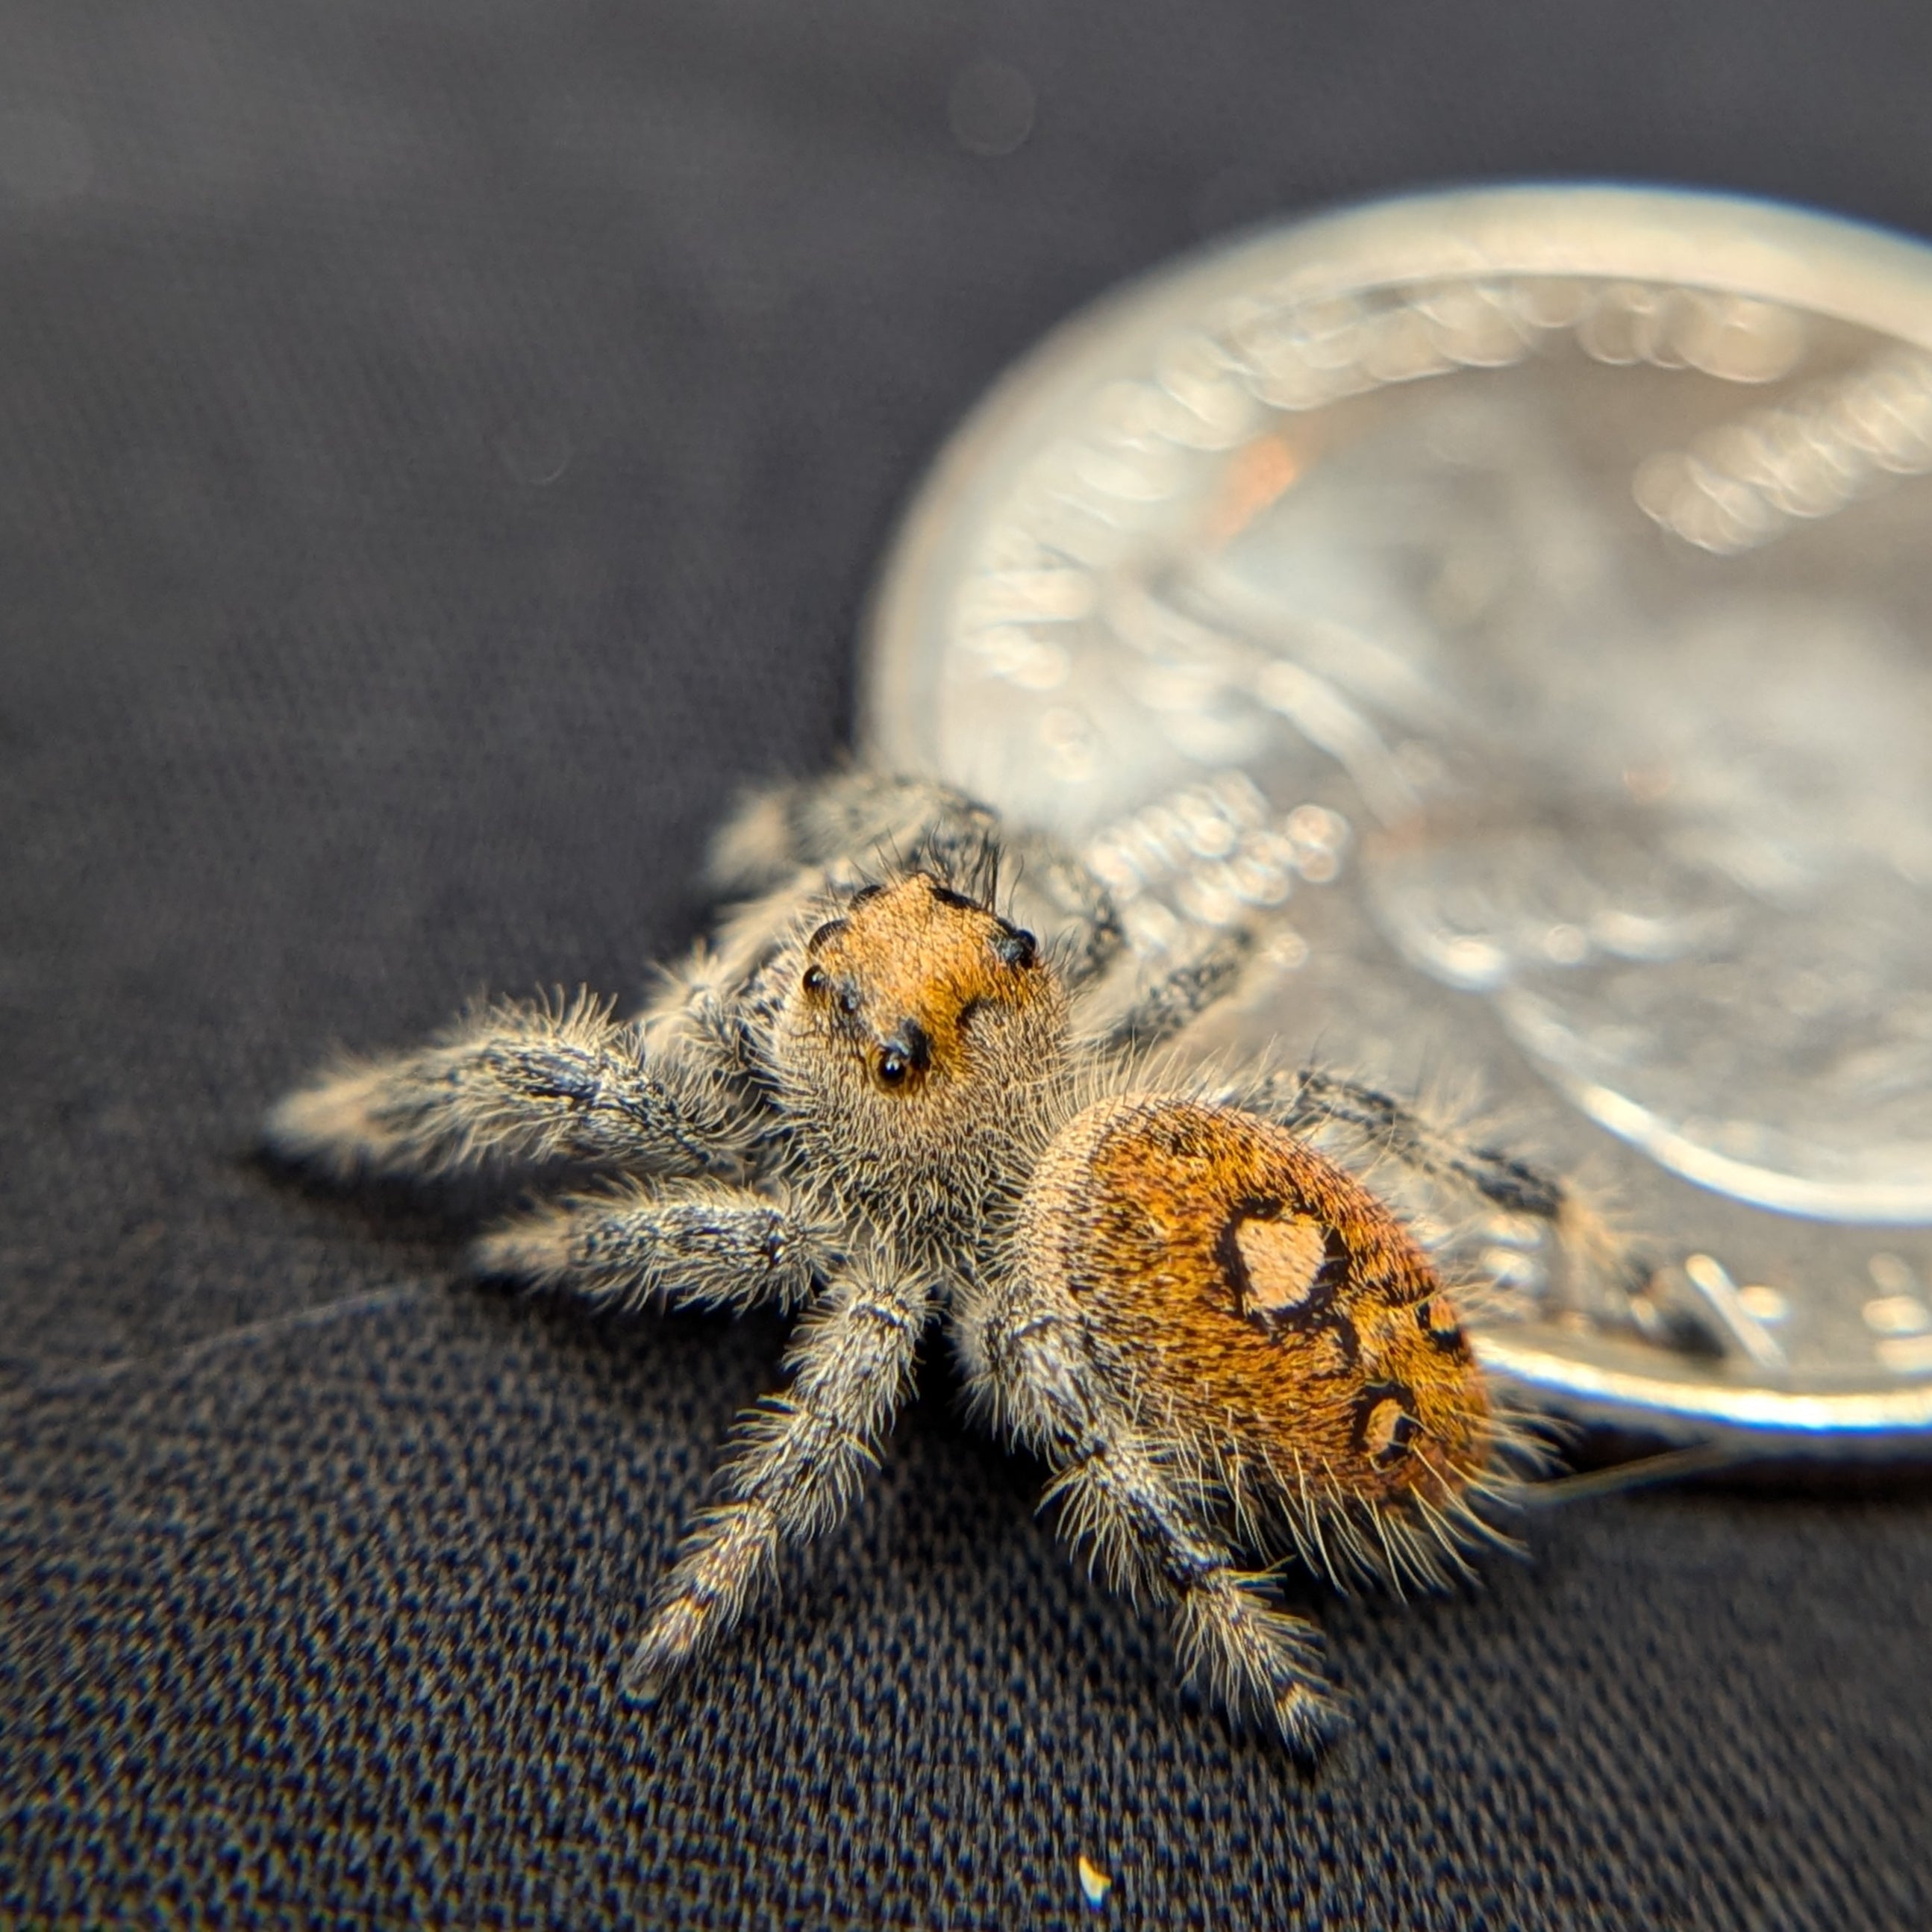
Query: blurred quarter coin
x,y
1520,602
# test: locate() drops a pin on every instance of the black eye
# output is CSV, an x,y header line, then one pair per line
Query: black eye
x,y
909,1050
1016,947
814,978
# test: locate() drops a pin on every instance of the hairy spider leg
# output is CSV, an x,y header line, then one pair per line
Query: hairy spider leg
x,y
1180,995
1615,1275
1127,1505
532,1081
797,1466
693,1244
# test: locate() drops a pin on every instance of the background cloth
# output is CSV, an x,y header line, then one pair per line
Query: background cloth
x,y
443,450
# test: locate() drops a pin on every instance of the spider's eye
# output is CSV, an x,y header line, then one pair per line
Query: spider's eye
x,y
1016,946
907,1052
815,979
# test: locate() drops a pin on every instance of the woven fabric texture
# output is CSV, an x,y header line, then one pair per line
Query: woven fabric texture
x,y
443,450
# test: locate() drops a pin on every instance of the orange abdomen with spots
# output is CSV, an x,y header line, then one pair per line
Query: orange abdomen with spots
x,y
1248,1300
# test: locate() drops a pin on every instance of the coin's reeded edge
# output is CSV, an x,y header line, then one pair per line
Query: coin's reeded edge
x,y
1896,1422
1850,270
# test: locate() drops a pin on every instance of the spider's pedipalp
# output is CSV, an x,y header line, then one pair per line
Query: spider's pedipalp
x,y
533,1080
690,1244
796,1467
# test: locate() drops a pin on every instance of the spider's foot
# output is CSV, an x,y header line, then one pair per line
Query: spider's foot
x,y
677,1631
643,1686
1306,1718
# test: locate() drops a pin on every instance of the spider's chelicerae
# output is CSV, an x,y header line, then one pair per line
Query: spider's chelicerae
x,y
876,1098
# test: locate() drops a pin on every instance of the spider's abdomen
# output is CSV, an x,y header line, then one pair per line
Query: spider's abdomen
x,y
1257,1307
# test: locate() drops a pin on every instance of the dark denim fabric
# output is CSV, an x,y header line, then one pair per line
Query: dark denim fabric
x,y
443,449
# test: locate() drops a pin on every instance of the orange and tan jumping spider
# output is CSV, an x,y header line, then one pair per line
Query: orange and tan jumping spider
x,y
878,1099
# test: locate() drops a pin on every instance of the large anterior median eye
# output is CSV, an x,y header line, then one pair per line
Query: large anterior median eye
x,y
908,1052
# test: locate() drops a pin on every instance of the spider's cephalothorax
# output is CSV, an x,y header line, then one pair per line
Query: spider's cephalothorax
x,y
882,1098
914,1059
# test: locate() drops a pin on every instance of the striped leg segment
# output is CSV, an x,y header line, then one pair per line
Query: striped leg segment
x,y
796,1469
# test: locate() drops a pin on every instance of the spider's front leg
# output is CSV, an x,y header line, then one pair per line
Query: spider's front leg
x,y
689,1244
796,1467
523,1080
1148,1521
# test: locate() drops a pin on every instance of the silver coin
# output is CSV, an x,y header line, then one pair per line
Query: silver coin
x,y
1523,601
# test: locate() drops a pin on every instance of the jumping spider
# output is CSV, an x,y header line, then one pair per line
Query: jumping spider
x,y
880,1100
